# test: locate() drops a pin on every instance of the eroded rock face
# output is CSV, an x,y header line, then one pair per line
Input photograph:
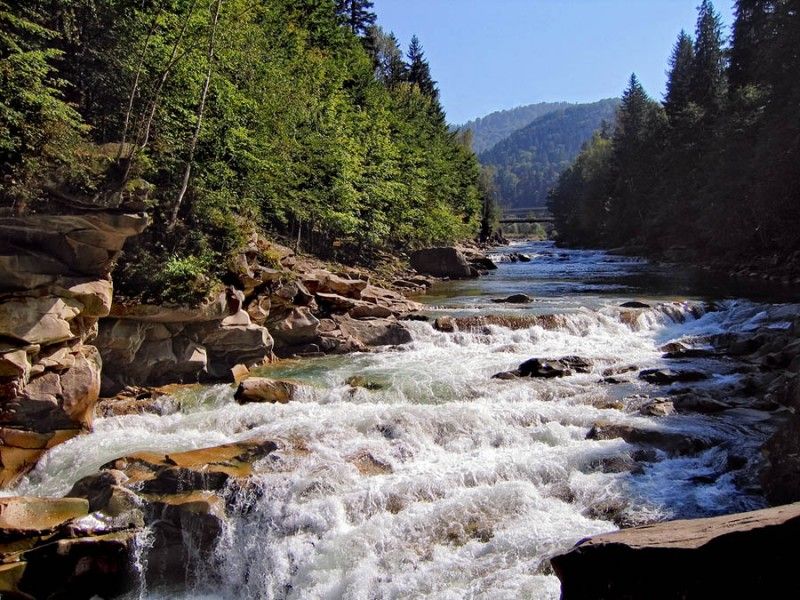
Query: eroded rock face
x,y
156,345
746,555
54,286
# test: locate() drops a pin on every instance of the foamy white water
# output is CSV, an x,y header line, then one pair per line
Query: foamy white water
x,y
468,484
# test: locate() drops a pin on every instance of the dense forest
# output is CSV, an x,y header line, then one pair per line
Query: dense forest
x,y
713,171
528,162
494,127
301,118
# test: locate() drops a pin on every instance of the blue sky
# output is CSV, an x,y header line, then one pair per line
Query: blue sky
x,y
493,54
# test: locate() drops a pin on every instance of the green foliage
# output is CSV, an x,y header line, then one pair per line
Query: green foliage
x,y
717,171
306,130
529,161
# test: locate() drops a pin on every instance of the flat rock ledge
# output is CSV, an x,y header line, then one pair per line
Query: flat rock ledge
x,y
744,555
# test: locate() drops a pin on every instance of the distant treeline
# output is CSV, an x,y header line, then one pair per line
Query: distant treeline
x,y
528,162
300,117
715,168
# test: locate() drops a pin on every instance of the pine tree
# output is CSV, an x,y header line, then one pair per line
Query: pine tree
x,y
708,72
679,83
356,14
419,71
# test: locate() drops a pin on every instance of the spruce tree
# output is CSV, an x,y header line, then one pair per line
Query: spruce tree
x,y
356,14
419,71
708,72
679,83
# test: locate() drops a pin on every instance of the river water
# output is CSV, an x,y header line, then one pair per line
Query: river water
x,y
445,483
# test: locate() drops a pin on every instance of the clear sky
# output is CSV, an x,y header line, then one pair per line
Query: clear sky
x,y
489,55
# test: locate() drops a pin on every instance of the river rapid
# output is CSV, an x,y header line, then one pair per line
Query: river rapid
x,y
443,482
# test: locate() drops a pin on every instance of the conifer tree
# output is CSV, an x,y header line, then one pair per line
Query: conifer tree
x,y
357,14
708,72
751,30
679,83
419,71
386,55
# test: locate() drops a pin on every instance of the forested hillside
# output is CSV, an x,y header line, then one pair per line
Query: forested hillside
x,y
296,117
528,162
494,127
714,169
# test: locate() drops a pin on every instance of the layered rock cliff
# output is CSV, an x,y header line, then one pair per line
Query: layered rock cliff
x,y
54,287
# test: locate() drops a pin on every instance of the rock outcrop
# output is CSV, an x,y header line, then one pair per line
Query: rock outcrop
x,y
747,555
157,345
54,286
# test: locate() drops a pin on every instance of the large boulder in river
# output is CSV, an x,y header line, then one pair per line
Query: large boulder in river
x,y
263,389
442,262
746,555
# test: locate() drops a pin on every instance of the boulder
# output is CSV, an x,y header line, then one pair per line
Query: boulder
x,y
745,555
548,368
441,262
298,327
374,332
44,320
263,389
634,304
483,263
670,442
445,324
670,376
327,282
514,299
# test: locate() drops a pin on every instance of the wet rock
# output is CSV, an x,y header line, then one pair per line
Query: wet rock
x,y
368,465
548,368
445,324
363,382
753,550
780,476
611,371
483,263
658,409
135,400
514,299
441,262
668,441
634,304
374,332
206,469
670,376
262,389
699,403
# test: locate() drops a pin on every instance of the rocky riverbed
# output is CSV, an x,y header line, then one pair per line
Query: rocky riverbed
x,y
452,458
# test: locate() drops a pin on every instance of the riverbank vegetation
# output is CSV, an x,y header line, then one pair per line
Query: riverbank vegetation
x,y
301,118
713,171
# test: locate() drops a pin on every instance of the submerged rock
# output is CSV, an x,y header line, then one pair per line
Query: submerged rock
x,y
514,299
670,442
634,304
746,555
670,376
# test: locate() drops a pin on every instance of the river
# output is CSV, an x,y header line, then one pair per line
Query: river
x,y
443,482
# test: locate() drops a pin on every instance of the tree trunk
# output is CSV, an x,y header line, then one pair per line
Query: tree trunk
x,y
200,109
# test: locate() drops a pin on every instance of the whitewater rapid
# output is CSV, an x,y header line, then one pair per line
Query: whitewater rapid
x,y
444,483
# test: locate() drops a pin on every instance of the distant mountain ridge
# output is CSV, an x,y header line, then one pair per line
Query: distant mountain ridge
x,y
529,160
495,127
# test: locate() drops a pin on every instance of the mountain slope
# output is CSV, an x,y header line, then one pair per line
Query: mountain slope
x,y
529,161
494,127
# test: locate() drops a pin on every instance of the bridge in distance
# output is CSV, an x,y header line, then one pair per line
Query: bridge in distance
x,y
530,214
